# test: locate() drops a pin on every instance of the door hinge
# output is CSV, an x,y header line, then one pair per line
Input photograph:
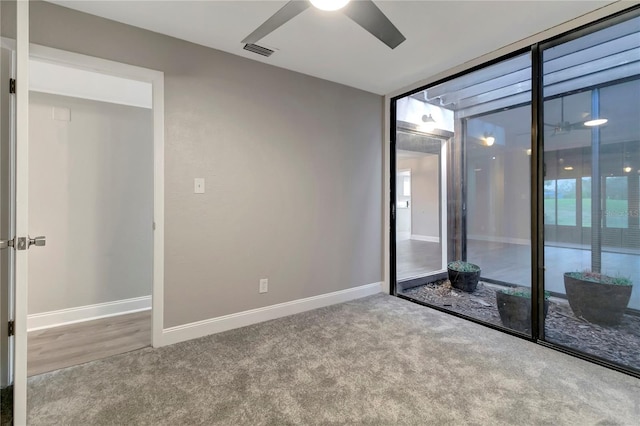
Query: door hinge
x,y
12,328
12,85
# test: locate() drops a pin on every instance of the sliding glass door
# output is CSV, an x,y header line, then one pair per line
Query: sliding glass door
x,y
516,193
467,145
591,133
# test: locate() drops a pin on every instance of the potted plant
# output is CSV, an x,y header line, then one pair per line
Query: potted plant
x,y
598,298
463,275
514,307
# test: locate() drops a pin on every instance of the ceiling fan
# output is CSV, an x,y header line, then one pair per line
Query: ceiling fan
x,y
563,127
363,12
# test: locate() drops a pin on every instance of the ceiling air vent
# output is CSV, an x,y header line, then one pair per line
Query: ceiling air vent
x,y
258,49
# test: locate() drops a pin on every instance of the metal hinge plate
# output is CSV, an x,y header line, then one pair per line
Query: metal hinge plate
x,y
12,328
12,85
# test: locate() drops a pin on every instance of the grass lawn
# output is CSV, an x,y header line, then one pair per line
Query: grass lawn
x,y
616,212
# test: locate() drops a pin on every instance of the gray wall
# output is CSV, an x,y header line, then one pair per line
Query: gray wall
x,y
425,194
91,194
498,191
293,169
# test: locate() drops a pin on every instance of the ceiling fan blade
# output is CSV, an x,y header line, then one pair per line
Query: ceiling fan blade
x,y
366,14
287,12
579,125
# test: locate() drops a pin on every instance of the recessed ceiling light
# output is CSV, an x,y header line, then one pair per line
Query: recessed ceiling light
x,y
627,169
568,168
596,122
329,5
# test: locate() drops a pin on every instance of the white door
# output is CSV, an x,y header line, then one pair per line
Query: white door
x,y
7,228
403,205
15,240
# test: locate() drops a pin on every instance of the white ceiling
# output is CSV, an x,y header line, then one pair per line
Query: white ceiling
x,y
440,34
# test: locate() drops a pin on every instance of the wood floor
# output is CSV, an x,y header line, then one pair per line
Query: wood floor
x,y
60,347
417,258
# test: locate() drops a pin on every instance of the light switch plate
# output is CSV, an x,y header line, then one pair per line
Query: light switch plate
x,y
198,186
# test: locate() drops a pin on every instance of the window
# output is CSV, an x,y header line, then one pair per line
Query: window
x,y
550,198
616,212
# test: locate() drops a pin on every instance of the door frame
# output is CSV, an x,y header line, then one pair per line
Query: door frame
x,y
21,210
156,79
443,211
75,60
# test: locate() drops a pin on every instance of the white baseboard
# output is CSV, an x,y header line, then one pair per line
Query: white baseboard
x,y
194,330
425,238
506,240
87,313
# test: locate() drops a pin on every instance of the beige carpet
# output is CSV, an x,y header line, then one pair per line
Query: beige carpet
x,y
375,361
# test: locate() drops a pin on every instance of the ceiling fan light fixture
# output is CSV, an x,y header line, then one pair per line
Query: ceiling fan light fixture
x,y
329,5
596,122
428,119
489,139
429,123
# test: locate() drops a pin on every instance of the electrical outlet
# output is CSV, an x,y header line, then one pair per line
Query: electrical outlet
x,y
264,285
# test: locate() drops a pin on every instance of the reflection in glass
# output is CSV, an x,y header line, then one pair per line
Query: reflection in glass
x,y
479,135
592,245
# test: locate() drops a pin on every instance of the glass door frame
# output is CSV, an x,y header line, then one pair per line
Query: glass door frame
x,y
537,186
538,159
456,215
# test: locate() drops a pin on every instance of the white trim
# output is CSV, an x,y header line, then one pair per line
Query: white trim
x,y
58,79
21,214
426,238
156,78
444,207
157,320
91,63
87,313
506,240
242,319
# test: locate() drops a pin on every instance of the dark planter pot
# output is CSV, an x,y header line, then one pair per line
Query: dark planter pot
x,y
465,281
598,303
515,311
